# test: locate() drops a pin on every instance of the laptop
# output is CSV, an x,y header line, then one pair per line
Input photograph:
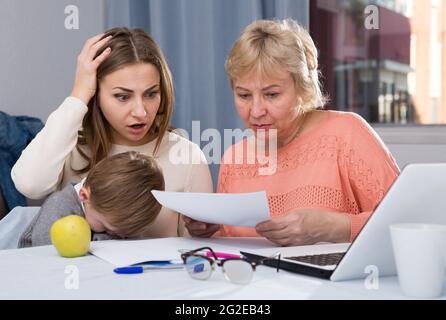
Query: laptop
x,y
418,195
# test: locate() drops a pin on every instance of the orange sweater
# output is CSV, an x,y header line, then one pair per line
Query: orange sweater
x,y
340,165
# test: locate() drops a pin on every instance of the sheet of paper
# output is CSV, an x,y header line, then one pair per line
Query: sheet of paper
x,y
235,209
121,253
127,252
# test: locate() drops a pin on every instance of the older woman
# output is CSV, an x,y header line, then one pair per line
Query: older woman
x,y
332,169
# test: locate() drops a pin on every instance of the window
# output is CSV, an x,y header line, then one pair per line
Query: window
x,y
393,72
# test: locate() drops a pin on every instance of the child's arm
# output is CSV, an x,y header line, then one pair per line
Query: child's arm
x,y
58,205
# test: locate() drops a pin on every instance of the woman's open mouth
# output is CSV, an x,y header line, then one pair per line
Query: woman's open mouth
x,y
137,128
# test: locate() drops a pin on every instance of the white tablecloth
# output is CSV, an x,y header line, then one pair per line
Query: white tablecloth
x,y
40,273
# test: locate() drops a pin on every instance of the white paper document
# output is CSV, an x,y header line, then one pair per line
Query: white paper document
x,y
128,252
121,253
234,209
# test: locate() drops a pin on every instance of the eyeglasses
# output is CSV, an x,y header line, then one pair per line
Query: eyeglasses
x,y
236,270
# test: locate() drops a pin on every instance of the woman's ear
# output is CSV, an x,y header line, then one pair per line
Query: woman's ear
x,y
84,194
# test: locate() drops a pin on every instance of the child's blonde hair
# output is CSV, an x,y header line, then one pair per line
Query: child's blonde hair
x,y
121,188
266,46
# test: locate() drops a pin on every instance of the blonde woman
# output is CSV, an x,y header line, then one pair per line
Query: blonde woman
x,y
332,168
122,100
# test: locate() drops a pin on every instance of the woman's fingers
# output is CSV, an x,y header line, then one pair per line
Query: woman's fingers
x,y
200,229
286,230
211,230
284,237
272,224
90,42
99,59
84,86
187,219
281,242
276,235
96,46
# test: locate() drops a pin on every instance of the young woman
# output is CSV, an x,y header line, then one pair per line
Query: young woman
x,y
122,100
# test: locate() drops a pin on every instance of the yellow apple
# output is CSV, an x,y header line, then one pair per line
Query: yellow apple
x,y
71,236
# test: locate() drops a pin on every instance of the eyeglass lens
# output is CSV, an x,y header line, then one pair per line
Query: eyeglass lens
x,y
238,271
198,268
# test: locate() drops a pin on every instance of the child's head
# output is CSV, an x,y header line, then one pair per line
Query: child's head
x,y
117,194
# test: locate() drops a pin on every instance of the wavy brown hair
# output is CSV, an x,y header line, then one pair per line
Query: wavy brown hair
x,y
128,47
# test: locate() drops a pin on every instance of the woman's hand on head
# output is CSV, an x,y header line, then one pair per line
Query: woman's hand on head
x,y
200,229
84,86
305,227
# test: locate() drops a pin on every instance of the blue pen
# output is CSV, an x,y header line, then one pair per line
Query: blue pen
x,y
139,268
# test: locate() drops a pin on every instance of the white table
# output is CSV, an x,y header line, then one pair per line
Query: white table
x,y
40,273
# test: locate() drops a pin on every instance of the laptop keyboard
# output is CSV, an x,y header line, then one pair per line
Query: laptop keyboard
x,y
326,259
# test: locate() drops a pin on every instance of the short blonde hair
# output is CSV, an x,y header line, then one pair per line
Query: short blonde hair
x,y
266,45
120,188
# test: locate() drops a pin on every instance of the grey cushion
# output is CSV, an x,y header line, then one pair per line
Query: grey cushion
x,y
14,224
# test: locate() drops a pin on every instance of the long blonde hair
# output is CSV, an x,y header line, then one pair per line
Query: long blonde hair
x,y
128,47
266,46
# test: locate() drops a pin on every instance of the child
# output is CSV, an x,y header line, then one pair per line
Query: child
x,y
115,198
